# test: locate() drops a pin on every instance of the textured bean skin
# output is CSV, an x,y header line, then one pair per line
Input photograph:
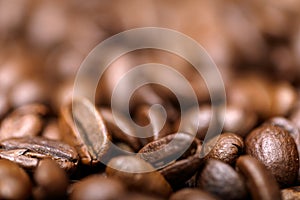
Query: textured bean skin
x,y
276,149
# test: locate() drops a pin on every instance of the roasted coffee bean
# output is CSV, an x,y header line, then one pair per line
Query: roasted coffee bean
x,y
276,149
138,175
97,187
14,183
24,121
221,180
51,180
192,194
227,147
183,169
84,128
124,133
166,150
260,182
292,193
28,151
4,105
291,128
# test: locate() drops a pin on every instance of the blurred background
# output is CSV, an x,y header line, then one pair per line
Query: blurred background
x,y
44,42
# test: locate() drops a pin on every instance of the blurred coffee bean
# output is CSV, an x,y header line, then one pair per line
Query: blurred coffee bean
x,y
14,183
83,127
242,92
192,194
139,196
221,180
28,151
123,131
52,131
97,187
283,99
51,180
290,193
226,147
138,175
4,105
261,184
53,14
237,120
277,150
28,91
159,127
23,121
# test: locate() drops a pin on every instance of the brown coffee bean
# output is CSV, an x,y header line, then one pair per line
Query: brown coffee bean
x,y
138,175
4,105
192,194
292,193
291,128
260,181
168,149
24,121
125,133
276,149
221,180
84,129
226,147
51,180
28,151
180,171
97,187
14,183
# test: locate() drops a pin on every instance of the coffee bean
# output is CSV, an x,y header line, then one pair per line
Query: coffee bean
x,y
276,149
51,180
138,175
84,129
124,133
14,183
291,128
260,181
97,187
24,121
168,149
290,193
139,196
192,194
221,180
227,147
180,171
52,131
28,151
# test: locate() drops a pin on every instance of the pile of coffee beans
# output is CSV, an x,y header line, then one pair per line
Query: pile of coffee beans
x,y
54,146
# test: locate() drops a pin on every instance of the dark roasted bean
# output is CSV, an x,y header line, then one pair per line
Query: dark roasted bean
x,y
227,147
292,193
222,180
28,151
276,149
261,183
